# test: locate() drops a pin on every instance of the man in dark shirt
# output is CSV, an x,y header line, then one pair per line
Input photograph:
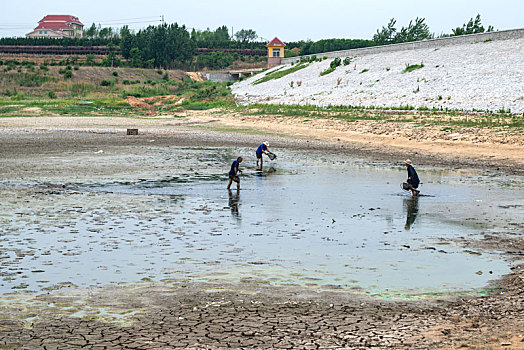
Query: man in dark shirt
x,y
233,173
413,180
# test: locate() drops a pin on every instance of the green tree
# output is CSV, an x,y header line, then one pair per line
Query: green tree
x,y
246,35
414,32
417,30
126,41
222,34
215,60
473,26
111,59
91,32
387,34
136,57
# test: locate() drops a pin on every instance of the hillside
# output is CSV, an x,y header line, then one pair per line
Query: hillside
x,y
487,75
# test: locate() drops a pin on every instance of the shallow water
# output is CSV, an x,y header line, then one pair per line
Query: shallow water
x,y
317,220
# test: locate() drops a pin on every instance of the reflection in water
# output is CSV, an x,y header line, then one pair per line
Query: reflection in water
x,y
411,205
233,202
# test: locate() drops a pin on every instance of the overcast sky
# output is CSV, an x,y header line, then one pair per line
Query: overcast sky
x,y
290,20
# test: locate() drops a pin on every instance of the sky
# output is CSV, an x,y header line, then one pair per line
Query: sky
x,y
290,20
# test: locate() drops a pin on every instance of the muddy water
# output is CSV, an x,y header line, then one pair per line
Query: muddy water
x,y
317,220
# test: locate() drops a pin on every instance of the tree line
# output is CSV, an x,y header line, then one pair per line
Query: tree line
x,y
174,46
418,30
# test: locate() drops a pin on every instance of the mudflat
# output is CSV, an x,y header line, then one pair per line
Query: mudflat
x,y
250,313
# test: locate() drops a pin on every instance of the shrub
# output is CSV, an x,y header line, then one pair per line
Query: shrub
x,y
335,63
31,80
411,68
51,94
159,71
115,73
327,71
347,61
61,71
126,82
105,83
18,97
81,89
68,74
75,68
165,76
68,67
364,71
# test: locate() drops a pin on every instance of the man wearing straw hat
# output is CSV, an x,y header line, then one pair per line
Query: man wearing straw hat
x,y
263,148
413,180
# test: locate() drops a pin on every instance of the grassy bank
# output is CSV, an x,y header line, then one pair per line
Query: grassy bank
x,y
40,90
34,91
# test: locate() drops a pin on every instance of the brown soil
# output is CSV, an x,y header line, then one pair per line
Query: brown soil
x,y
499,148
259,316
196,76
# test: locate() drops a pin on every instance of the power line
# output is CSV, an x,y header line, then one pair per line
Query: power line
x,y
120,23
125,19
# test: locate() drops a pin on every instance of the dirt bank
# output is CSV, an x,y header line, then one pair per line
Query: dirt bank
x,y
393,142
197,316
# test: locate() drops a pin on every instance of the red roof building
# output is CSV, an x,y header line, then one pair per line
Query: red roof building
x,y
275,52
58,26
275,42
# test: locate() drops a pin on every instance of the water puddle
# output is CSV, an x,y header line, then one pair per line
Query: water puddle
x,y
317,220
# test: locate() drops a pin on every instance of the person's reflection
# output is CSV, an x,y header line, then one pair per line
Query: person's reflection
x,y
233,202
411,205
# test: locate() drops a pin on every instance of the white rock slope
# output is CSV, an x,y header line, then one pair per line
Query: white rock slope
x,y
481,76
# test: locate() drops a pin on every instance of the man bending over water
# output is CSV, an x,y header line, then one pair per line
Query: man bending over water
x,y
413,180
263,148
233,173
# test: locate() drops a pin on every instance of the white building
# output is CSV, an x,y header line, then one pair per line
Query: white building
x,y
58,26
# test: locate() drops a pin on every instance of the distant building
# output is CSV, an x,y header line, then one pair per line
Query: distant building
x,y
275,52
58,26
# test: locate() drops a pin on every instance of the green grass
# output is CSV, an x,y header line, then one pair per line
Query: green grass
x,y
327,71
412,67
364,71
447,119
110,101
279,73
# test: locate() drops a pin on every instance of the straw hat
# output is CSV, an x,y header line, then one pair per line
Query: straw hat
x,y
266,143
408,161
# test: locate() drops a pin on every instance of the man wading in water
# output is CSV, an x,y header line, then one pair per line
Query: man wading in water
x,y
233,173
262,149
413,180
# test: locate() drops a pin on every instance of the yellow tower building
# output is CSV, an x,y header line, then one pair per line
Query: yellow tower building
x,y
275,52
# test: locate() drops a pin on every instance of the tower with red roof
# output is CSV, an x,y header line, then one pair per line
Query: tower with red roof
x,y
275,52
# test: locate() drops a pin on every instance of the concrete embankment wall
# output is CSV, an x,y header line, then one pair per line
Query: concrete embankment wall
x,y
474,72
424,44
220,77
